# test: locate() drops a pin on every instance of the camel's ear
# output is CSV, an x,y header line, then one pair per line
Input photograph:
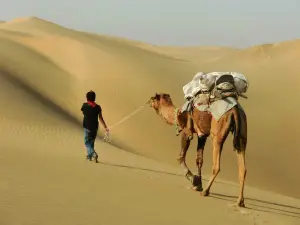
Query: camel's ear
x,y
157,96
167,97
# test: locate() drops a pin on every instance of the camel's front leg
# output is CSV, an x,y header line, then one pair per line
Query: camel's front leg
x,y
185,144
199,162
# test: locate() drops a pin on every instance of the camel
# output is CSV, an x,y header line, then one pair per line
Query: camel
x,y
204,125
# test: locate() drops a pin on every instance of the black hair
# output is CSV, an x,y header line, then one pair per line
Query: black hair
x,y
91,96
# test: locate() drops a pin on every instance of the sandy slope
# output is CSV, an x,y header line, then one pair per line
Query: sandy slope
x,y
45,72
44,179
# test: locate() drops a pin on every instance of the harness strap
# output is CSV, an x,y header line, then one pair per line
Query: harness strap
x,y
176,121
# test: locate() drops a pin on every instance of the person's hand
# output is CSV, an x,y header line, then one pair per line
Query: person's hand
x,y
107,130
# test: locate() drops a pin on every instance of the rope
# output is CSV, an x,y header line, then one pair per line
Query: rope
x,y
107,134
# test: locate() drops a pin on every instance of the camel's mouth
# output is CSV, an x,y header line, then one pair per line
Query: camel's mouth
x,y
153,105
150,102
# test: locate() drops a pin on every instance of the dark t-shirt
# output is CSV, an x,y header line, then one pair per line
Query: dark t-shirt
x,y
90,116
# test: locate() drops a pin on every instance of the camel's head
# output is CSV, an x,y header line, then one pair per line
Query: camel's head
x,y
159,100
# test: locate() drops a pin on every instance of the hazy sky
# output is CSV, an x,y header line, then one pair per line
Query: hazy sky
x,y
238,23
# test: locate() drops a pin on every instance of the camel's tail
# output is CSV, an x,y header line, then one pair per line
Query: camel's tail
x,y
239,129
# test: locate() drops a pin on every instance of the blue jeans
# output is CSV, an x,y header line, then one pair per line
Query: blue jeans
x,y
89,141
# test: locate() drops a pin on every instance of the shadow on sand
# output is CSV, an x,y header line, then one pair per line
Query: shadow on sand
x,y
157,171
15,80
263,206
255,204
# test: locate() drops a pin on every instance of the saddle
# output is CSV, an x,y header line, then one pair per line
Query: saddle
x,y
224,87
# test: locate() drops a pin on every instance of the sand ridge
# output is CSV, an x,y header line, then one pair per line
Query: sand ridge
x,y
46,69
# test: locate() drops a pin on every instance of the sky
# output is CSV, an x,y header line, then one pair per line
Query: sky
x,y
234,23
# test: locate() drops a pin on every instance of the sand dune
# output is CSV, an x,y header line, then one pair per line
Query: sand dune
x,y
46,70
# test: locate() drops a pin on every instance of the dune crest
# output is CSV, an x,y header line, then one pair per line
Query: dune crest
x,y
45,71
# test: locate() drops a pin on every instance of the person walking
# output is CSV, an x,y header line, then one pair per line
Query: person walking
x,y
91,112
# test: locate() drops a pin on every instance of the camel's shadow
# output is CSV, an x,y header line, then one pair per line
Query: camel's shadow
x,y
154,171
255,204
262,206
139,168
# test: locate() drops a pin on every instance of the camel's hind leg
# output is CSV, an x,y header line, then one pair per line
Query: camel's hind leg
x,y
240,144
217,151
242,176
219,132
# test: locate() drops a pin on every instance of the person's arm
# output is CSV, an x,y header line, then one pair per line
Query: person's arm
x,y
102,121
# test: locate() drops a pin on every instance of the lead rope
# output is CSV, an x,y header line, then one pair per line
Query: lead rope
x,y
107,134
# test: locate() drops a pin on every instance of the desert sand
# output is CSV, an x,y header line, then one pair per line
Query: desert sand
x,y
45,71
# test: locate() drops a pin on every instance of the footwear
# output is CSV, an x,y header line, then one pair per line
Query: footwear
x,y
95,156
96,159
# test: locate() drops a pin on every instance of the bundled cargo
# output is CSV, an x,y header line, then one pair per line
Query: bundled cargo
x,y
204,82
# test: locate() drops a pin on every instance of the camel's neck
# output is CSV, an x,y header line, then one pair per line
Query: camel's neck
x,y
168,114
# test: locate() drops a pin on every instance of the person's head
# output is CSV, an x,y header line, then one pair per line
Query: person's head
x,y
91,96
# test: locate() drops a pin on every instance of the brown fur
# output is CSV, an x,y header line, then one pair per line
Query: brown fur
x,y
204,125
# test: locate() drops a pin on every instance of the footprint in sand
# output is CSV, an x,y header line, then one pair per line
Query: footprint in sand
x,y
234,208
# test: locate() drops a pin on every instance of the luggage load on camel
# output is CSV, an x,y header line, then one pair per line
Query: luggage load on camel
x,y
222,81
216,92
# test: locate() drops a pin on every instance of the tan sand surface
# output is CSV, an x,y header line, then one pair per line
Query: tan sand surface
x,y
45,71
